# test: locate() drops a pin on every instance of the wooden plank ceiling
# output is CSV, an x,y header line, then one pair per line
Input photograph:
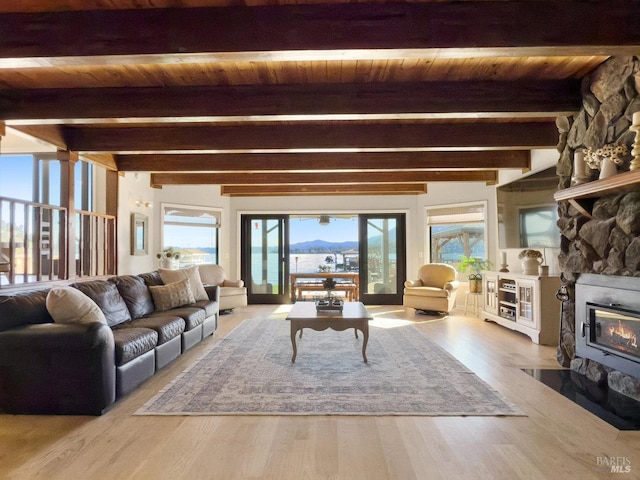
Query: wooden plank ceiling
x,y
312,98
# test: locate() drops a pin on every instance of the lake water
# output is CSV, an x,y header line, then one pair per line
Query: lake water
x,y
298,263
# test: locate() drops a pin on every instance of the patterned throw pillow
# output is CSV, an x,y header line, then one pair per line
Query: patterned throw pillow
x,y
176,294
192,273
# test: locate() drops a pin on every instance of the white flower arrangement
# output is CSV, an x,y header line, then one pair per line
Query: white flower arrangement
x,y
529,253
594,158
168,253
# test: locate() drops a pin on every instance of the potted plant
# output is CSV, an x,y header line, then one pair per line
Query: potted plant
x,y
475,265
169,258
530,260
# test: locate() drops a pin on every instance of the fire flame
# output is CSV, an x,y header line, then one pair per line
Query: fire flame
x,y
621,332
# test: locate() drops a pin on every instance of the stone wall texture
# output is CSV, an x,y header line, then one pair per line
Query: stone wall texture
x,y
609,242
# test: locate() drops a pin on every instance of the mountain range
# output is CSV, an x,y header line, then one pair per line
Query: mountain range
x,y
322,246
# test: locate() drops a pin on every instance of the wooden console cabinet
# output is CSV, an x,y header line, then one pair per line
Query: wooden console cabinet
x,y
525,303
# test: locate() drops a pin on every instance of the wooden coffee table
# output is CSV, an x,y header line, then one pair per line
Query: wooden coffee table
x,y
354,315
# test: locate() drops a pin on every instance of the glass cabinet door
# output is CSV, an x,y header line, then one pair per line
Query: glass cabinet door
x,y
491,293
525,303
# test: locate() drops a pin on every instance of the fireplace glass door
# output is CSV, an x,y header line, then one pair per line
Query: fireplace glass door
x,y
614,330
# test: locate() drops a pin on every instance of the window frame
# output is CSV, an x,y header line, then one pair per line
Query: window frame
x,y
215,211
479,203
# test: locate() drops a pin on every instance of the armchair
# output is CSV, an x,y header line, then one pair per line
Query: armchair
x,y
434,290
233,293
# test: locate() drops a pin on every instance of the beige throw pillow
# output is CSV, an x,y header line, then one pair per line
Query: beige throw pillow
x,y
70,305
176,294
192,273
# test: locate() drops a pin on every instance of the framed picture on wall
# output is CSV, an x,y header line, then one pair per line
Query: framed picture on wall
x,y
139,234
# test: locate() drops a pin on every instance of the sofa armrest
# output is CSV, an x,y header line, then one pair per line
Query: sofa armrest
x,y
413,283
54,368
213,292
233,283
451,286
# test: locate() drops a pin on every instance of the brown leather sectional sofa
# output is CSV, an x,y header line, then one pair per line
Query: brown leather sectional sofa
x,y
81,369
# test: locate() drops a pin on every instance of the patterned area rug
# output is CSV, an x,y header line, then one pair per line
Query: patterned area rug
x,y
250,373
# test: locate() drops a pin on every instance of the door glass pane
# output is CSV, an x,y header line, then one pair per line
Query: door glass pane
x,y
265,256
381,256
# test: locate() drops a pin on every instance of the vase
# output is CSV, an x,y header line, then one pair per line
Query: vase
x,y
530,265
169,263
607,168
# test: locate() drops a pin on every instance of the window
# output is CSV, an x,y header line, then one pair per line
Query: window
x,y
35,241
455,231
193,231
538,227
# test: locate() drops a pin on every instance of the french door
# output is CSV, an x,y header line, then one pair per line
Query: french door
x,y
264,259
382,253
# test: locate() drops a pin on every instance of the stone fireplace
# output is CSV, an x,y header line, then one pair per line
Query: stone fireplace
x,y
608,321
601,251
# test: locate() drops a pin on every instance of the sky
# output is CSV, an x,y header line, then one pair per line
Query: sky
x,y
15,176
338,230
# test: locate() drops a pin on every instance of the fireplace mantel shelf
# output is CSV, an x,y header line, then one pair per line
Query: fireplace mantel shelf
x,y
620,183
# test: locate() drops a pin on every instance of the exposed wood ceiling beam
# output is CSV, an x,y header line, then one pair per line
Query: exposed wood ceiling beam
x,y
467,160
105,160
53,134
157,179
305,32
347,135
296,190
289,102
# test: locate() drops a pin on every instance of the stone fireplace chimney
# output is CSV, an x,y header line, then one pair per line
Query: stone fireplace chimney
x,y
608,243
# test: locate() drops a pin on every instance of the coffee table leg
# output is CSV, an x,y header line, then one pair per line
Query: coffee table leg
x,y
365,339
293,342
355,330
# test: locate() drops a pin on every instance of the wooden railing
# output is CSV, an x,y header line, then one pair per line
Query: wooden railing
x,y
95,244
32,242
35,243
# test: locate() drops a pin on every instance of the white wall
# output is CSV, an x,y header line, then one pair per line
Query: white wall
x,y
133,187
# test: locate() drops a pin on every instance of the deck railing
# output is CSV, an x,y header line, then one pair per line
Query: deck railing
x,y
34,243
95,244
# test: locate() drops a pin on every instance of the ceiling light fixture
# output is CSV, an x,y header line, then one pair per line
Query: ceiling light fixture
x,y
324,220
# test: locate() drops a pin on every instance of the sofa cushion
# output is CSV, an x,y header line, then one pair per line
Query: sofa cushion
x,y
192,316
437,274
167,326
212,274
132,342
70,305
210,308
227,291
151,278
171,276
22,308
426,292
135,294
106,295
176,294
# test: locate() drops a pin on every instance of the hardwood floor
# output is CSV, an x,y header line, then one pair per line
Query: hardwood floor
x,y
557,439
